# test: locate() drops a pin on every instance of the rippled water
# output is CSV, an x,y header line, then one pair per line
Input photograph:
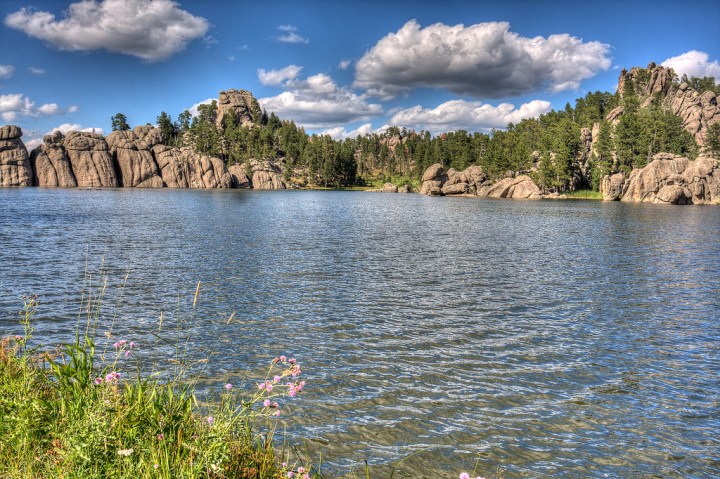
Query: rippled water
x,y
549,339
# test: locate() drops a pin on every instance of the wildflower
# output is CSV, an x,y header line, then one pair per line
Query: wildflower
x,y
156,465
228,386
269,387
125,452
284,464
113,376
464,475
290,474
292,360
132,344
277,379
301,470
261,386
306,476
160,436
98,381
127,353
117,345
283,359
274,404
267,403
18,337
210,420
122,342
276,360
276,413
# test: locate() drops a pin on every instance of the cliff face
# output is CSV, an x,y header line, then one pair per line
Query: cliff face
x,y
698,111
15,169
242,103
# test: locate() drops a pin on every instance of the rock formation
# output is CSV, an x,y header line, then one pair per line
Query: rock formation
x,y
50,163
90,159
238,176
243,105
15,169
132,154
267,180
697,111
183,168
473,182
668,179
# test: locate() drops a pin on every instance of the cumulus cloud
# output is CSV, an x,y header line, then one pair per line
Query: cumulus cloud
x,y
194,109
467,115
17,104
485,60
291,35
34,138
151,30
344,64
278,77
73,108
318,102
340,133
6,71
694,64
36,71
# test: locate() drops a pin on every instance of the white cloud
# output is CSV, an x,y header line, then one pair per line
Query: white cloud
x,y
485,60
73,108
6,71
278,77
344,64
36,71
340,133
694,64
35,139
151,30
17,104
291,35
318,102
194,109
467,115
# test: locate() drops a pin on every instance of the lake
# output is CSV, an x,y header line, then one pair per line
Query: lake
x,y
544,338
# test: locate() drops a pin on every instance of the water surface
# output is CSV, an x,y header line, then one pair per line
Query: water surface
x,y
549,339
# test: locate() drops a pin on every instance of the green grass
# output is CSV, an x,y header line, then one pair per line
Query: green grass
x,y
72,414
584,195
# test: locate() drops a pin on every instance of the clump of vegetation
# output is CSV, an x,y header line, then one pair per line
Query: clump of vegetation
x,y
81,413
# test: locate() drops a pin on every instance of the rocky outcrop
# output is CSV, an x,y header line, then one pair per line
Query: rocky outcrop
x,y
132,153
183,168
697,111
668,179
613,187
50,163
472,181
238,176
15,169
90,159
242,104
267,180
521,187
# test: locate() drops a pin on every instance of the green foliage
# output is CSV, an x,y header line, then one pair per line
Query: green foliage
x,y
701,85
119,122
712,140
168,128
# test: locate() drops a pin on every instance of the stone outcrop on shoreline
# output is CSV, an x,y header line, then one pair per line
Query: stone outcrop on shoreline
x,y
667,179
472,181
136,158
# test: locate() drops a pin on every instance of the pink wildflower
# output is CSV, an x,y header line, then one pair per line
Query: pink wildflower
x,y
277,413
464,475
292,360
98,381
132,344
261,386
122,342
283,359
228,386
210,420
127,353
117,345
276,360
290,474
156,465
284,464
267,403
306,476
160,436
301,470
269,387
277,379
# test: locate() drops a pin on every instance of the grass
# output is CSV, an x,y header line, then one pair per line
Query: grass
x,y
584,195
77,414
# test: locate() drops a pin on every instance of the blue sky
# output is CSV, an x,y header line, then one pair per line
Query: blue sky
x,y
338,67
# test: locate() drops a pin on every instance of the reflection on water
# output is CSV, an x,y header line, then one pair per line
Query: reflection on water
x,y
563,339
